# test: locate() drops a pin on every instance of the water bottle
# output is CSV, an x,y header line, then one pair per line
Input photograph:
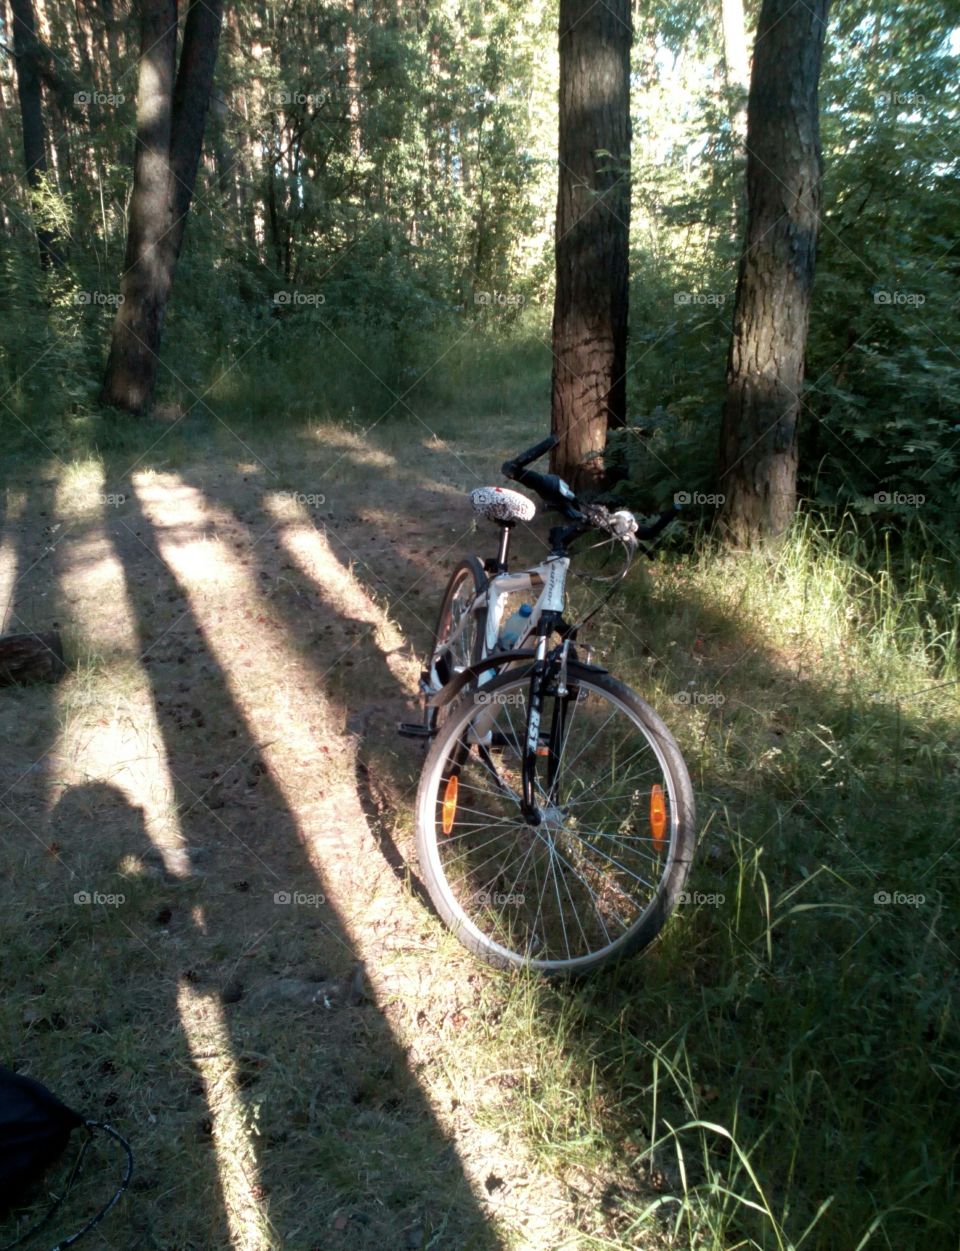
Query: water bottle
x,y
514,627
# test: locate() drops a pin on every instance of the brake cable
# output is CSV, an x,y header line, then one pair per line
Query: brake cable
x,y
615,580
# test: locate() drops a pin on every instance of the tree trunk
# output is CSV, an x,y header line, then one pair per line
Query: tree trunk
x,y
191,99
736,66
171,113
225,159
353,82
592,236
31,658
27,55
736,80
758,445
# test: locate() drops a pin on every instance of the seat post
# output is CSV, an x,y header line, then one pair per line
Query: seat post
x,y
505,528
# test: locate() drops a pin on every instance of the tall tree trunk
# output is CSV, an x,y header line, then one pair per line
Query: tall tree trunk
x,y
736,65
145,286
171,113
26,50
353,82
758,445
592,235
736,79
225,157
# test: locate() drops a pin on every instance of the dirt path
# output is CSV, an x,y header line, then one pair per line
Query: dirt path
x,y
271,1011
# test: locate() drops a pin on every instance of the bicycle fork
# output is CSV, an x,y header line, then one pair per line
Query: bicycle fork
x,y
546,674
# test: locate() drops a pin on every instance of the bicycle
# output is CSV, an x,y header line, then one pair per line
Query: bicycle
x,y
555,815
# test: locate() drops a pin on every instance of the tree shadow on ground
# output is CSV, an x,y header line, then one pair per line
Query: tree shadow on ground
x,y
228,946
73,978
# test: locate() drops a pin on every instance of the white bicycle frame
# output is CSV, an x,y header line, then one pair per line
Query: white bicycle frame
x,y
550,576
551,579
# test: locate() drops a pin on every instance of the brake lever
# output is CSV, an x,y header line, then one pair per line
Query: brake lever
x,y
624,524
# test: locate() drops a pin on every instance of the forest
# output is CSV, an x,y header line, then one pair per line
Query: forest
x,y
282,282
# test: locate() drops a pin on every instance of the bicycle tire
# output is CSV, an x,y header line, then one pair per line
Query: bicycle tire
x,y
469,574
450,753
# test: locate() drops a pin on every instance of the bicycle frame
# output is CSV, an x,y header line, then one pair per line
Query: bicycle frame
x,y
550,576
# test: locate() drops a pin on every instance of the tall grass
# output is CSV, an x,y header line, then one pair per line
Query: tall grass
x,y
781,1071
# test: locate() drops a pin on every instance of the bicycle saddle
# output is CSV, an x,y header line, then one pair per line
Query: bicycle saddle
x,y
500,504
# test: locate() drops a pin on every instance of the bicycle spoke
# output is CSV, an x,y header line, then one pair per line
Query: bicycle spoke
x,y
581,881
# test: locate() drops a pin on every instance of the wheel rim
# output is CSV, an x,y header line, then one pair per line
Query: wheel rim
x,y
462,645
580,886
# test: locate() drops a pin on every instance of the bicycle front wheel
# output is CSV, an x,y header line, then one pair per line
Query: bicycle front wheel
x,y
597,878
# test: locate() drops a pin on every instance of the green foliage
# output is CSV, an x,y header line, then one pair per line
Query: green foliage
x,y
879,425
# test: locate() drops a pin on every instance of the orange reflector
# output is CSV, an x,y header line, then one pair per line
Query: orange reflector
x,y
450,803
658,816
543,751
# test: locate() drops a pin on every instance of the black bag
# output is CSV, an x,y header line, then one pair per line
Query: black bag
x,y
35,1128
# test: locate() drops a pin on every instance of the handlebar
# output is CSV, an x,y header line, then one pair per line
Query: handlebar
x,y
530,455
549,486
661,523
557,494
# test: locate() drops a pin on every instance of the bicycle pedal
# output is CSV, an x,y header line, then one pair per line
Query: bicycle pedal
x,y
414,729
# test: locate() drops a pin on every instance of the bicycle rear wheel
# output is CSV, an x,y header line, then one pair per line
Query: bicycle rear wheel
x,y
458,638
597,879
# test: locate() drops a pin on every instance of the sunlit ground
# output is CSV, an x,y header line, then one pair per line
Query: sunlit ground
x,y
235,649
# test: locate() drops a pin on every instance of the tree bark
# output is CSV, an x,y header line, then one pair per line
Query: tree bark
x,y
736,65
31,658
171,114
736,80
758,444
353,82
26,50
592,236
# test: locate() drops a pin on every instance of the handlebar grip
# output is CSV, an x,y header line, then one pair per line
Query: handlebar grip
x,y
651,531
511,466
